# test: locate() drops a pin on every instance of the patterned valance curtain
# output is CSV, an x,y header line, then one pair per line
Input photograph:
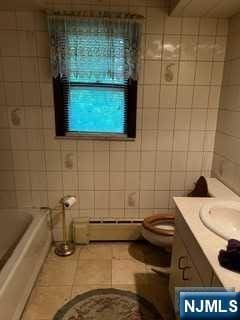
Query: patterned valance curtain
x,y
94,47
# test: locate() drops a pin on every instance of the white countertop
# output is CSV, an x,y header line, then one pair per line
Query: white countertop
x,y
209,242
218,190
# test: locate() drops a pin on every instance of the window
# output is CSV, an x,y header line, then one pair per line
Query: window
x,y
94,75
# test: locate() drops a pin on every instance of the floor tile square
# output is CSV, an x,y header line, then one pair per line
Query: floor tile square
x,y
45,302
57,273
127,272
96,251
93,272
128,251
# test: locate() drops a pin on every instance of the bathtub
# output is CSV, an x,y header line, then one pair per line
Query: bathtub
x,y
20,271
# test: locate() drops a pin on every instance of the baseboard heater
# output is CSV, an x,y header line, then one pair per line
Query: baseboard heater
x,y
85,231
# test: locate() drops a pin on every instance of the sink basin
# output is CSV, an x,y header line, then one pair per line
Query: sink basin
x,y
223,218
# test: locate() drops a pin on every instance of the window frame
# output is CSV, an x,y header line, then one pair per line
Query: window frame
x,y
61,87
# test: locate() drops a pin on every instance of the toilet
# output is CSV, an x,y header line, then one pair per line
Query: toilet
x,y
159,230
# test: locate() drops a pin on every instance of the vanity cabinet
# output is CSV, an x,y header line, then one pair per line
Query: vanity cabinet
x,y
189,266
183,271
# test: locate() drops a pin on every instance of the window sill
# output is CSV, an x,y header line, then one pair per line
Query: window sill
x,y
101,137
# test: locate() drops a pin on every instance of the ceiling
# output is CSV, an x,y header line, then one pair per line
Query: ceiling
x,y
44,4
185,8
19,4
205,8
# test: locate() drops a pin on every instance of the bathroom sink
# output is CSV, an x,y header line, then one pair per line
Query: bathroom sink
x,y
222,218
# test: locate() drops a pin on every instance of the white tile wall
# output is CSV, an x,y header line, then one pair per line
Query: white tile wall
x,y
179,87
226,164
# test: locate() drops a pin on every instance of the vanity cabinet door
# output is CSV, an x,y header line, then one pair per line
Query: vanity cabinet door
x,y
197,256
183,271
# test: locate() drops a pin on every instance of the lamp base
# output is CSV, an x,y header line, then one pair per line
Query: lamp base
x,y
64,249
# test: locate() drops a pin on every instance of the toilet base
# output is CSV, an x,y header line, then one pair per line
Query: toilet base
x,y
164,242
162,270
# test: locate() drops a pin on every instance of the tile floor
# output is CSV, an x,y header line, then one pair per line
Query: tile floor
x,y
124,266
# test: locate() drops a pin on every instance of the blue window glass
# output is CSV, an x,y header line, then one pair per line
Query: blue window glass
x,y
96,110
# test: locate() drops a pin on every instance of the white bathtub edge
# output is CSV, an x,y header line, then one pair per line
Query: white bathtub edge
x,y
18,276
19,311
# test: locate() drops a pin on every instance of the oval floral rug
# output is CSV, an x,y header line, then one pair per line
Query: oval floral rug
x,y
108,304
